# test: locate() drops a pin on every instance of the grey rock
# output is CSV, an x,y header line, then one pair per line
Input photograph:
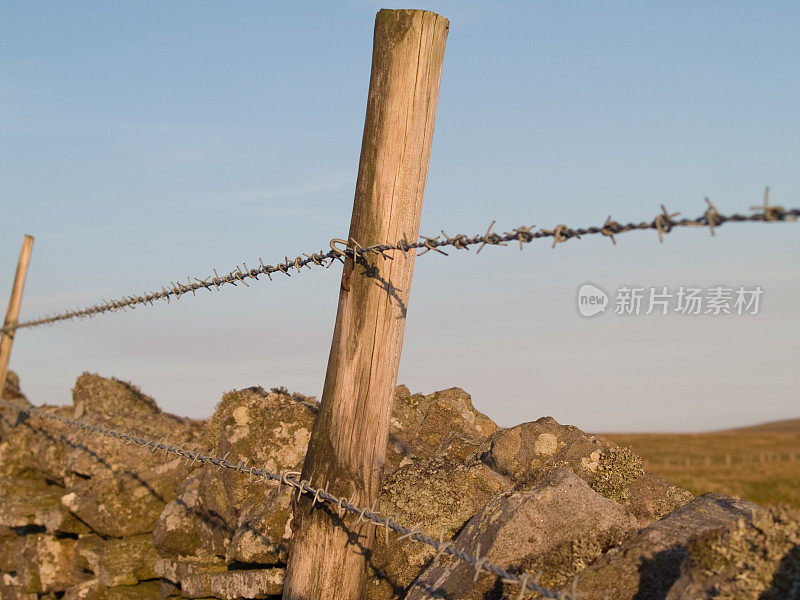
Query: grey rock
x,y
648,564
554,527
440,495
756,559
420,423
219,503
528,452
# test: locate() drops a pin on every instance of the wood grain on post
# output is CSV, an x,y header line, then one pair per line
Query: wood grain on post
x,y
348,445
12,314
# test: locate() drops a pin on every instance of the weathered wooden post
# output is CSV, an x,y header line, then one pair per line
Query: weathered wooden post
x,y
7,339
348,445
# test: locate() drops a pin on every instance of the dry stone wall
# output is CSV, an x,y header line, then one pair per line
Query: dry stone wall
x,y
85,517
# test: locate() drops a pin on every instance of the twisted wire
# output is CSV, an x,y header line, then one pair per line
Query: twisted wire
x,y
663,223
289,478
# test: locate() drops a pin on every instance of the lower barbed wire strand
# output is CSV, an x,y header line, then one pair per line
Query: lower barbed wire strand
x,y
286,478
663,223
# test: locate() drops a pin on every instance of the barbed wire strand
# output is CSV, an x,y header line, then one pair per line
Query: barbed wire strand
x,y
289,478
663,224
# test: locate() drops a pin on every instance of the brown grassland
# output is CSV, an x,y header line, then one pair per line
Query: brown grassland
x,y
760,463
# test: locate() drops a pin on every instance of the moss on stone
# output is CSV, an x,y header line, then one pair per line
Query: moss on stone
x,y
558,566
759,560
617,469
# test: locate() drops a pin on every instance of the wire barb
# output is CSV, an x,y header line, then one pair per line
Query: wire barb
x,y
316,495
341,249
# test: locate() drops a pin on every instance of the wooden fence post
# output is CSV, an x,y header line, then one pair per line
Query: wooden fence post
x,y
7,339
347,451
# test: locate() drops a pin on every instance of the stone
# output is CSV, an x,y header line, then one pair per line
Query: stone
x,y
112,397
12,390
649,563
438,494
263,533
214,505
35,502
45,563
420,423
186,527
753,560
555,528
32,446
527,452
9,592
121,406
7,550
93,589
213,579
146,590
128,504
116,562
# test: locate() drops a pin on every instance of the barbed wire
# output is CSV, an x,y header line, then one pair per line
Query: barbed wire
x,y
525,581
663,223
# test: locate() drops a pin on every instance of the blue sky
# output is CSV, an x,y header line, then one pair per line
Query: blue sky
x,y
141,142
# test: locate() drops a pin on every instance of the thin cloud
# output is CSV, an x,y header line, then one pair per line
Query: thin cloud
x,y
248,197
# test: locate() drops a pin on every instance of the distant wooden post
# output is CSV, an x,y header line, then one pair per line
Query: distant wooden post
x,y
727,460
347,450
7,339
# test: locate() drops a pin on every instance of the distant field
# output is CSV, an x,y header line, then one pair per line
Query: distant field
x,y
760,463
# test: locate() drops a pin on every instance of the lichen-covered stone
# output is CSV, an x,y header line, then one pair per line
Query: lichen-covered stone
x,y
45,563
263,533
93,394
93,589
7,543
128,504
648,563
213,579
186,527
146,590
12,390
26,502
440,495
528,452
753,560
10,592
650,498
555,528
272,430
420,423
32,446
119,405
90,589
116,562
